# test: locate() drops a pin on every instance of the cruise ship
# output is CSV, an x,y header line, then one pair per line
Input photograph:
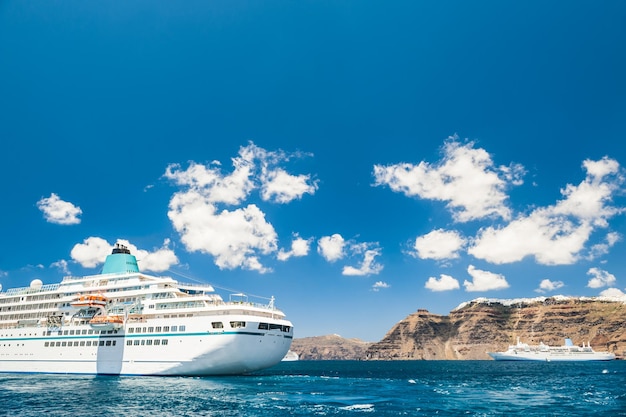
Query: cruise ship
x,y
542,352
124,322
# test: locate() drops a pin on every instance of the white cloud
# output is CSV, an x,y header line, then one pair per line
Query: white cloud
x,y
299,247
444,283
58,211
236,237
378,285
484,280
281,187
331,247
158,261
613,293
612,238
62,266
546,285
556,235
368,266
466,179
254,168
94,250
439,244
601,168
589,200
603,248
552,240
212,184
600,278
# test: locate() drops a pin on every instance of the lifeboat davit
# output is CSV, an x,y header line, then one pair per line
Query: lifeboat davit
x,y
106,322
89,300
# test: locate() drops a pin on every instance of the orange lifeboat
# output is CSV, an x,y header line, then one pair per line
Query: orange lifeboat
x,y
89,300
106,322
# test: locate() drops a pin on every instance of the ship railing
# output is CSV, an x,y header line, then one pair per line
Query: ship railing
x,y
71,278
212,303
30,290
249,304
137,318
234,297
269,307
204,287
261,313
242,299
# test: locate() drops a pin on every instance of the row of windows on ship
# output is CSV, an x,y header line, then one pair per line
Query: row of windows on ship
x,y
43,314
144,342
235,324
54,296
39,308
16,300
163,306
241,324
152,329
158,329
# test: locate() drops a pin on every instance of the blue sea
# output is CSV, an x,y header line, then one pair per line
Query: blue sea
x,y
335,388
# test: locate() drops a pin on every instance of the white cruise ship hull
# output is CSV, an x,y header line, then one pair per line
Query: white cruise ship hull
x,y
544,353
546,357
196,351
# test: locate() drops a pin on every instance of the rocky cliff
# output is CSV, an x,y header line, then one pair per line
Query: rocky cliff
x,y
329,348
482,325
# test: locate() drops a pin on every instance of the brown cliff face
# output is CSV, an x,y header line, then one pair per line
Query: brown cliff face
x,y
329,348
419,336
481,326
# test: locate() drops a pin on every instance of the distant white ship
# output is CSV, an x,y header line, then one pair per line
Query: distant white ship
x,y
542,352
124,322
291,356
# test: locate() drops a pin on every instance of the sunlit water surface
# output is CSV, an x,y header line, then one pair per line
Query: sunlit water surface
x,y
335,388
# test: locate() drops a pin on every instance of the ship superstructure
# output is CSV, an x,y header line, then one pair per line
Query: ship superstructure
x,y
124,322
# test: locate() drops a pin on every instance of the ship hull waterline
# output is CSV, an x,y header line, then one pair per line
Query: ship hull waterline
x,y
191,355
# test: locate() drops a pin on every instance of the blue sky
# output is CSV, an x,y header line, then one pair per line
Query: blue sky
x,y
354,159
